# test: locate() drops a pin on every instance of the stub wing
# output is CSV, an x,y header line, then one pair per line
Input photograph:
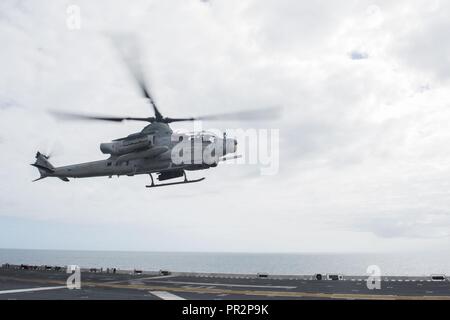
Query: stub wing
x,y
150,153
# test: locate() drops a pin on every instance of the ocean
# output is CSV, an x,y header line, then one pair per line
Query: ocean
x,y
420,264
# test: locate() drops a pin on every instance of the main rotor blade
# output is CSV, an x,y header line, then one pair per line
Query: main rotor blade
x,y
130,55
79,116
145,92
261,114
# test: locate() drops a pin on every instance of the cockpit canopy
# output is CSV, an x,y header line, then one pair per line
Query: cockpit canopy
x,y
204,136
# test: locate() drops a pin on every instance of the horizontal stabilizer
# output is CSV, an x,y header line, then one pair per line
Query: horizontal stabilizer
x,y
40,167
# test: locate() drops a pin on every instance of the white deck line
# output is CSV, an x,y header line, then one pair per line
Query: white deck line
x,y
31,289
166,295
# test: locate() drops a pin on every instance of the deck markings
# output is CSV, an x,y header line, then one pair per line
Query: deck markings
x,y
225,284
303,294
164,295
139,279
31,289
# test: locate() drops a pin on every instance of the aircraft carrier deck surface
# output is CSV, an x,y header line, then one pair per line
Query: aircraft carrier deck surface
x,y
50,283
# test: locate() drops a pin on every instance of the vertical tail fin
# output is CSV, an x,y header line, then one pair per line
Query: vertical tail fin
x,y
43,165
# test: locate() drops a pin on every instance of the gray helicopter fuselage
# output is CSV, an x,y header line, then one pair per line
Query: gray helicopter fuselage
x,y
157,158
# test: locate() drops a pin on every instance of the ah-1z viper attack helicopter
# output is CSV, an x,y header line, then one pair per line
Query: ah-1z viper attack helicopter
x,y
154,149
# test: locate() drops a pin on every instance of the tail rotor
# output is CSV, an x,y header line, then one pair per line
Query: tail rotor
x,y
44,166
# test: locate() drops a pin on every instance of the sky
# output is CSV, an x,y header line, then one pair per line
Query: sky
x,y
364,162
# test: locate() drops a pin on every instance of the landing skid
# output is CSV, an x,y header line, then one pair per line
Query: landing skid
x,y
153,185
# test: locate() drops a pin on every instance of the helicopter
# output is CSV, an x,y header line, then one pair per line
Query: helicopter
x,y
155,150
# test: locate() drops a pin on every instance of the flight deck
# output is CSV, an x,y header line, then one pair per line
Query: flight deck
x,y
49,283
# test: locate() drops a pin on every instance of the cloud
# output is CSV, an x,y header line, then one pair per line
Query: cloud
x,y
412,223
422,44
362,144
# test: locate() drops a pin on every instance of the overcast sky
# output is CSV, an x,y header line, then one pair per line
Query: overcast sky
x,y
364,135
